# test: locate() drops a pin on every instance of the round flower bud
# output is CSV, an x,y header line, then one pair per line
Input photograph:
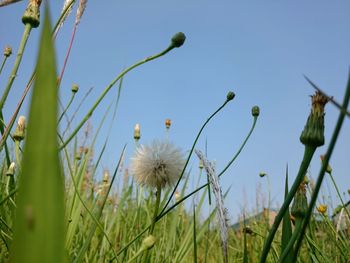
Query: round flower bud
x,y
230,95
149,242
137,133
20,129
262,174
11,169
7,51
75,88
178,39
167,123
255,111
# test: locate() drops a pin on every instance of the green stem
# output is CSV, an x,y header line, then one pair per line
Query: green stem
x,y
18,159
323,168
107,89
289,246
19,105
339,195
154,219
19,56
163,213
308,153
190,154
3,64
68,105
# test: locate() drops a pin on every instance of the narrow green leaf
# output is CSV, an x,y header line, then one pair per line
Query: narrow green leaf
x,y
286,225
194,236
39,226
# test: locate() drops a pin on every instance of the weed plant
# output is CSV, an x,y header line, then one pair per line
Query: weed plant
x,y
55,207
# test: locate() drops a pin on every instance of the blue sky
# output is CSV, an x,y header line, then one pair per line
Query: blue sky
x,y
258,49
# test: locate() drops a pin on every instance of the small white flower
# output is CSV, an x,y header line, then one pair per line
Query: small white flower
x,y
157,165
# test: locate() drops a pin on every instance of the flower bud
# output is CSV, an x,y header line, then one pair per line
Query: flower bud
x,y
148,242
230,95
32,13
299,206
20,129
75,88
178,40
313,133
255,111
7,51
137,133
11,169
167,123
262,174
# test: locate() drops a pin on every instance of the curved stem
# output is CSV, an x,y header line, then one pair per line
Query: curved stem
x,y
107,89
308,154
3,64
67,55
19,56
163,213
190,154
65,110
154,219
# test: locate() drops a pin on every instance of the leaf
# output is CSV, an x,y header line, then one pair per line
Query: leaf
x,y
39,226
286,226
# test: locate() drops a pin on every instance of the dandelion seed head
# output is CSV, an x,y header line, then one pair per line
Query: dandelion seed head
x,y
157,165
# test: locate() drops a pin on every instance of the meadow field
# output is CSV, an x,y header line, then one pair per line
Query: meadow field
x,y
60,203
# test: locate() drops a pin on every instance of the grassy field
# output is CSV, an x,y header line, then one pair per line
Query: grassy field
x,y
56,207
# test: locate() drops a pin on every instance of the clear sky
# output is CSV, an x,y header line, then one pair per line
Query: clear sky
x,y
258,49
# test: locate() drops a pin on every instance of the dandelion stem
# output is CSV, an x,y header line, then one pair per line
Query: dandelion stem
x,y
107,89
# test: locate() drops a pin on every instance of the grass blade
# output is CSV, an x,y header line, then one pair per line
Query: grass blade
x,y
286,226
39,226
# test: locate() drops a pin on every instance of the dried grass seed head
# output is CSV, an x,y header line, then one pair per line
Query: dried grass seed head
x,y
157,165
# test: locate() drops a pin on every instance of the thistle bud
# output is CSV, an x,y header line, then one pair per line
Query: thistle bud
x,y
201,165
299,206
106,176
313,133
230,95
255,111
7,51
148,242
137,133
177,196
178,40
32,13
75,88
262,174
11,169
167,123
20,129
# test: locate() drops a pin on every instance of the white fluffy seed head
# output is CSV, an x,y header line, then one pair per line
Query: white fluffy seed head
x,y
157,165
